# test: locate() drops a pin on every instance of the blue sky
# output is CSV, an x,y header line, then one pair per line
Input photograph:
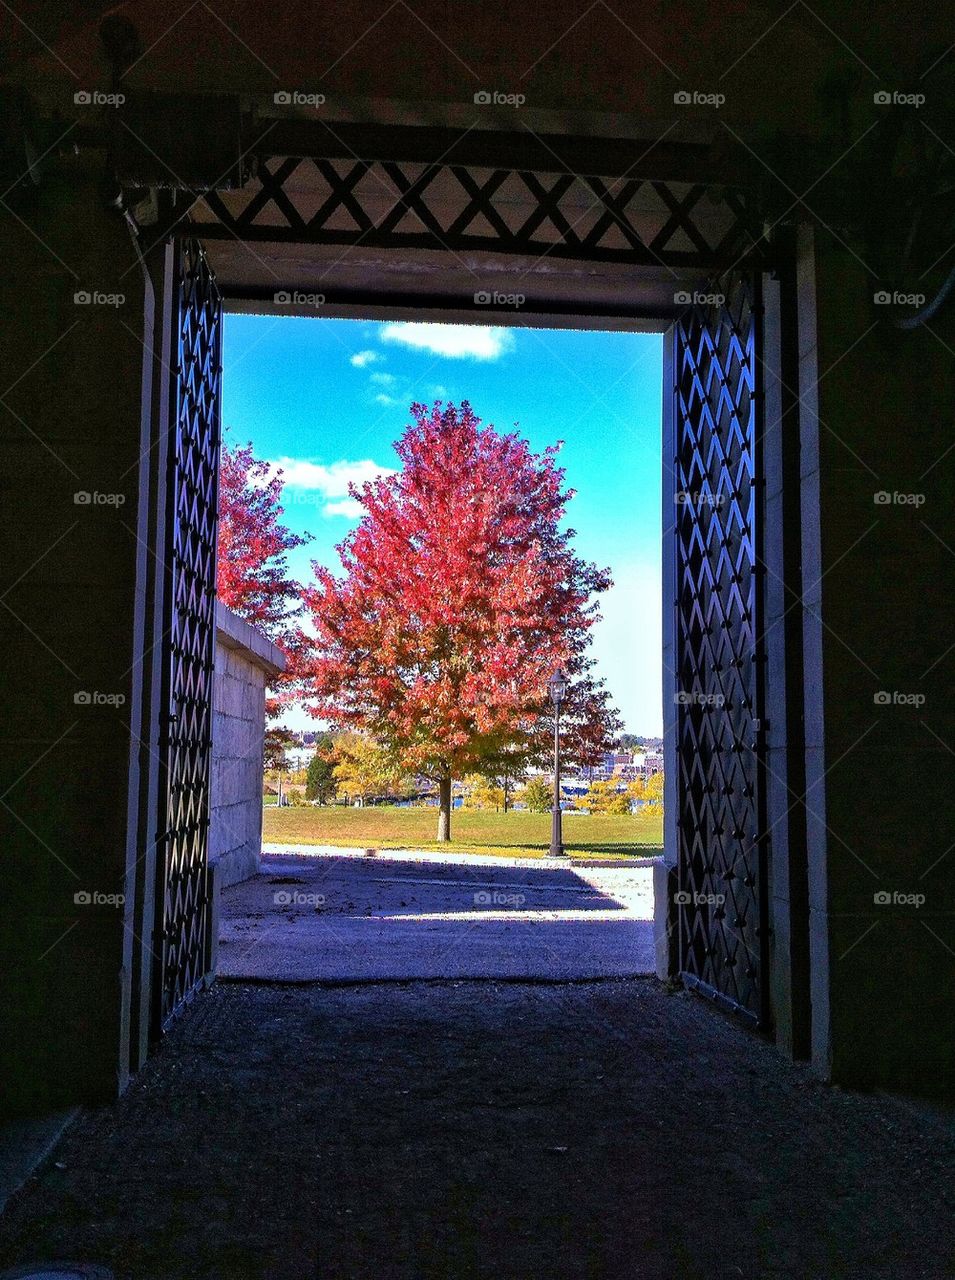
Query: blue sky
x,y
326,399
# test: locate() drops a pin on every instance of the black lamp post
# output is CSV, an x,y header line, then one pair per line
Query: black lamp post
x,y
558,691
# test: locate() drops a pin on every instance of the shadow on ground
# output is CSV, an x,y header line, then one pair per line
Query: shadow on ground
x,y
484,1131
389,917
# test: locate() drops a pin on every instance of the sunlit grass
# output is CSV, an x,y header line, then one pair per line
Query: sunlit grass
x,y
516,834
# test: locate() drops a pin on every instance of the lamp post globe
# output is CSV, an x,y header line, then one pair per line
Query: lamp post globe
x,y
557,687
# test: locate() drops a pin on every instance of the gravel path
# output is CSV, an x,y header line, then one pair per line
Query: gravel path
x,y
458,1130
338,917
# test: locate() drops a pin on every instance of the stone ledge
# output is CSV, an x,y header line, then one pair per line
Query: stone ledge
x,y
233,632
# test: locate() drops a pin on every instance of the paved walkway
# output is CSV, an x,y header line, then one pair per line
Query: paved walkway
x,y
341,915
487,1131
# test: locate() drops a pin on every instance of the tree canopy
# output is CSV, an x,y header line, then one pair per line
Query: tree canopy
x,y
252,568
460,594
252,575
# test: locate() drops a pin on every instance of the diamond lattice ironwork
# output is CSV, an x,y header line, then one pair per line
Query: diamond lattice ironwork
x,y
721,857
192,496
414,205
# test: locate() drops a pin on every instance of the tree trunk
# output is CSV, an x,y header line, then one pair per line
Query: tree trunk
x,y
444,809
507,783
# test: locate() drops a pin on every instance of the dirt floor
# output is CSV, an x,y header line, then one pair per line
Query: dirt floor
x,y
451,1130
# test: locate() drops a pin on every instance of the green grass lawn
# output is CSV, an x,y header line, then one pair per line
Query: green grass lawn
x,y
472,831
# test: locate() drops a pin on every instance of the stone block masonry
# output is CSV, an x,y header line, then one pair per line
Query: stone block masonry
x,y
245,662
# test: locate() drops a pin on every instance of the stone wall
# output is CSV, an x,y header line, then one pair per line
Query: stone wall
x,y
75,452
878,472
245,661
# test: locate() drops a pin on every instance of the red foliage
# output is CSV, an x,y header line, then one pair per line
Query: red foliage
x,y
252,572
461,595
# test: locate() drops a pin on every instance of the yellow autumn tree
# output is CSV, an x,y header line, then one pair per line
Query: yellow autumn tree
x,y
537,795
653,791
637,790
603,797
482,793
363,770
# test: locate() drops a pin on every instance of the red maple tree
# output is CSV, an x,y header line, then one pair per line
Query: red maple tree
x,y
252,575
252,571
460,596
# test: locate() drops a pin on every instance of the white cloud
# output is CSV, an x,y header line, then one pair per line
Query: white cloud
x,y
346,507
387,401
456,341
383,379
362,358
330,481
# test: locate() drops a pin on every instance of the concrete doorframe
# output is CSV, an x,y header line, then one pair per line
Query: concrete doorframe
x,y
789,922
785,974
152,354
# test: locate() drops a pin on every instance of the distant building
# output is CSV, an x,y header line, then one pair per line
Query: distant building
x,y
652,763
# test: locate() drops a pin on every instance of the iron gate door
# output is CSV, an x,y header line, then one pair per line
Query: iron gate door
x,y
721,870
183,901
